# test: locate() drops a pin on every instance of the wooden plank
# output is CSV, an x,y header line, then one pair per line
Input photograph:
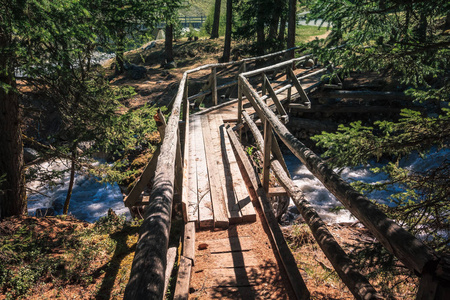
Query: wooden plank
x,y
239,186
171,255
214,85
233,210
276,191
189,241
205,211
217,196
275,100
147,174
186,161
231,244
234,260
268,135
192,201
183,279
299,88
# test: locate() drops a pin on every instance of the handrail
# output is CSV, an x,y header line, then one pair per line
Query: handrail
x,y
405,246
149,264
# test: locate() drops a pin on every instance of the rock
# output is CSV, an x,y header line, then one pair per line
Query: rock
x,y
309,63
135,72
150,46
29,155
45,212
170,65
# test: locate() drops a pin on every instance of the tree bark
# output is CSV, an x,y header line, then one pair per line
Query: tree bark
x,y
260,37
216,21
169,43
12,186
291,26
120,54
227,46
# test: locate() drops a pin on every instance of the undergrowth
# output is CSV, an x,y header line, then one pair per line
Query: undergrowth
x,y
58,253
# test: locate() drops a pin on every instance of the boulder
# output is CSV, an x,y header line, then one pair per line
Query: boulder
x,y
29,155
170,65
135,72
150,46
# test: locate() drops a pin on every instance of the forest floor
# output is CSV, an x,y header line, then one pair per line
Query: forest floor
x,y
62,257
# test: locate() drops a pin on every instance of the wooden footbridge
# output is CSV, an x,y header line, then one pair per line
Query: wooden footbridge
x,y
201,164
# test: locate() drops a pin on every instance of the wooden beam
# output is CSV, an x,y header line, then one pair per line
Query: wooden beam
x,y
171,255
185,188
189,241
268,135
150,260
214,85
277,191
183,280
299,88
276,101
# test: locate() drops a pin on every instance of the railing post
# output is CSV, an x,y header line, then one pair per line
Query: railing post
x,y
263,87
289,92
239,117
214,85
267,149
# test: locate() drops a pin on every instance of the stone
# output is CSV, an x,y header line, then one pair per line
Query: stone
x,y
150,46
170,65
135,72
29,155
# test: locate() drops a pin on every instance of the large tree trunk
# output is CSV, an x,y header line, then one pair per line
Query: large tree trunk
x,y
120,53
291,25
227,46
216,21
12,186
260,37
272,37
282,29
169,43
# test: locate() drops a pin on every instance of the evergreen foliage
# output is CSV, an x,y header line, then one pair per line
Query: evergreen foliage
x,y
408,40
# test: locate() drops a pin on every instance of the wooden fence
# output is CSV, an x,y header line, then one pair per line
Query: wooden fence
x,y
432,269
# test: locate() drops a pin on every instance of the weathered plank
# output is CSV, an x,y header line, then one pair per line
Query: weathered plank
x,y
183,279
186,162
234,212
192,200
276,191
205,211
189,241
217,196
231,244
242,195
171,255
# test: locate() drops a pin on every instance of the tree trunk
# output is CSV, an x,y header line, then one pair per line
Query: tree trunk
x,y
169,43
282,29
227,46
272,37
291,26
260,38
216,21
12,186
120,54
72,179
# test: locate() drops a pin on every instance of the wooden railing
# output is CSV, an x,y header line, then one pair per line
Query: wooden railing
x,y
432,269
149,265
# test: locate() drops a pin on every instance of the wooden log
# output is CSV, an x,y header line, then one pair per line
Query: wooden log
x,y
276,101
186,160
150,261
299,88
183,280
357,283
345,109
316,125
268,135
410,250
284,253
374,95
217,196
